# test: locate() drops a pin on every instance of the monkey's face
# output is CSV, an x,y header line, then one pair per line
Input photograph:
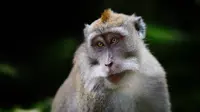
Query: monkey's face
x,y
113,38
109,50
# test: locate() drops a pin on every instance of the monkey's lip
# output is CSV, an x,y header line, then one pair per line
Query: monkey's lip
x,y
115,78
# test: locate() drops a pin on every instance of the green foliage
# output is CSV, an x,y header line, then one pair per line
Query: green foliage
x,y
161,34
43,106
8,70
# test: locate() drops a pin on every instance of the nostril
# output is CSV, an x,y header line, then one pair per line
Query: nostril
x,y
109,64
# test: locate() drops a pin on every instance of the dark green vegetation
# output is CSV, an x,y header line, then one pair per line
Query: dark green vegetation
x,y
38,43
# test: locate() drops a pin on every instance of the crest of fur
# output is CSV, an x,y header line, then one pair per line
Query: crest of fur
x,y
109,19
105,15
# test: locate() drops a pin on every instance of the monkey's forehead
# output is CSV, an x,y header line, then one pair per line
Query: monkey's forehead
x,y
109,19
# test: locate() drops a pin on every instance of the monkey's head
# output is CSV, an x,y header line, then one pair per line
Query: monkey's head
x,y
114,36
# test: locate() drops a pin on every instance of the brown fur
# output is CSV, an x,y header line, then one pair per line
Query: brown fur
x,y
109,19
105,15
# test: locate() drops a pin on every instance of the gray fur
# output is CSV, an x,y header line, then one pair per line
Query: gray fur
x,y
87,89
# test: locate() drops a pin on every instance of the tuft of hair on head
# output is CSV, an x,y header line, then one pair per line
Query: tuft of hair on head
x,y
106,15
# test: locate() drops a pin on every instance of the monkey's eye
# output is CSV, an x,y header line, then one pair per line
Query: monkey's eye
x,y
100,44
114,40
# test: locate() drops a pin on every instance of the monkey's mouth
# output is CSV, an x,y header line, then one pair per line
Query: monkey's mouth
x,y
115,78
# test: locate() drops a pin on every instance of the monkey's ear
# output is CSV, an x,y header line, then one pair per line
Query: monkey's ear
x,y
139,25
85,30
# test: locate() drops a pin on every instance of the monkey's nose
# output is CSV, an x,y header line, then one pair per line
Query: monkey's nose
x,y
109,64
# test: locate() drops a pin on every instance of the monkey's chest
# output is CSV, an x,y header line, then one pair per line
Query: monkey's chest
x,y
121,103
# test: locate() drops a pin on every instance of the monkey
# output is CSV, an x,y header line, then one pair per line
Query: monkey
x,y
113,70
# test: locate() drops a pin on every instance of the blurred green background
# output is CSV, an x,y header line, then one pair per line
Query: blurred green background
x,y
38,41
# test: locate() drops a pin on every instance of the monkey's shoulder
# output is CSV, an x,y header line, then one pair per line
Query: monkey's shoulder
x,y
64,98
